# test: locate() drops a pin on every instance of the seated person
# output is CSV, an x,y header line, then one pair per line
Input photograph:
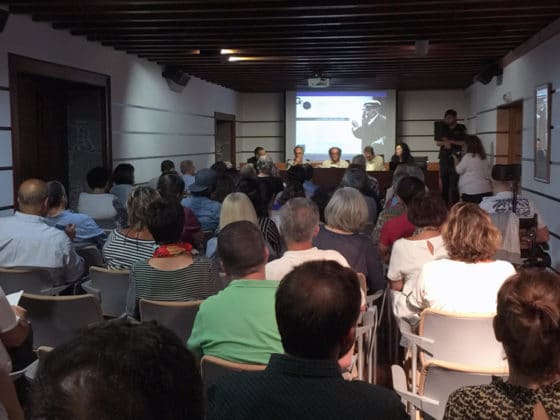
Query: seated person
x,y
207,211
167,166
125,246
265,174
27,241
356,177
335,161
58,215
373,162
402,156
122,184
502,200
298,158
469,279
98,204
346,215
399,227
119,370
188,171
239,324
308,186
14,331
359,161
299,226
526,324
173,273
317,307
259,152
427,212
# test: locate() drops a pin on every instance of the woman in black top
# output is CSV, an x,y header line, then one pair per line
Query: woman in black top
x,y
402,155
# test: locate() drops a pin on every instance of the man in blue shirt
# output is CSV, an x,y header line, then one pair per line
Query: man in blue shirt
x,y
207,211
188,171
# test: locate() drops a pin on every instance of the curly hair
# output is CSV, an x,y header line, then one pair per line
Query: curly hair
x,y
469,234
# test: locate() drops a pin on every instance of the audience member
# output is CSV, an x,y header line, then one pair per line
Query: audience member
x,y
97,204
265,167
58,215
239,324
173,273
399,227
167,166
14,332
258,153
248,172
402,156
526,323
469,279
220,167
235,208
373,162
299,226
298,158
346,215
27,241
171,187
391,199
188,171
359,161
427,212
226,183
502,200
308,186
317,307
321,198
293,189
207,211
119,370
356,177
335,160
474,172
122,182
125,246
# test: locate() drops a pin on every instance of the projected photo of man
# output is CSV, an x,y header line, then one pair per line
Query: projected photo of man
x,y
374,124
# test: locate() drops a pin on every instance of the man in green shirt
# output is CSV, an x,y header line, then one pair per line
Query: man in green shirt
x,y
239,323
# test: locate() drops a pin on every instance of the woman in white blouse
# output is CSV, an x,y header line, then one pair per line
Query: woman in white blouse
x,y
469,279
475,181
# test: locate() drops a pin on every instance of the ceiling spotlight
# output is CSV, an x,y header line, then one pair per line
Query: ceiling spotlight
x,y
226,51
241,58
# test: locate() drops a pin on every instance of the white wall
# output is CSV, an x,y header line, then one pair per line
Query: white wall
x,y
149,122
538,66
417,111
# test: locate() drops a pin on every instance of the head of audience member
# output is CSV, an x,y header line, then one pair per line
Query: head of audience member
x,y
171,186
97,180
299,223
260,194
298,153
137,204
450,117
402,151
527,323
404,171
98,375
56,197
123,174
317,306
237,207
33,197
167,166
225,185
355,176
369,154
469,234
248,171
308,172
474,146
408,188
165,220
347,211
296,173
219,167
259,151
321,198
505,177
427,210
335,153
242,250
265,166
187,167
359,160
204,183
292,190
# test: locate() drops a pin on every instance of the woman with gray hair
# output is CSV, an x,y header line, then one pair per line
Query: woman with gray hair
x,y
265,173
346,215
134,243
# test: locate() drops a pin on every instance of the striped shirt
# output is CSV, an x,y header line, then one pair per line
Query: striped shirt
x,y
270,234
196,281
121,251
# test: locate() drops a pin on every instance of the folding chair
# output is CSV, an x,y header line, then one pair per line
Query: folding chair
x,y
177,316
58,319
110,287
92,257
213,368
30,280
366,344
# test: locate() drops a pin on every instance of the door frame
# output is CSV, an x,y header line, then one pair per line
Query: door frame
x,y
19,64
514,104
219,116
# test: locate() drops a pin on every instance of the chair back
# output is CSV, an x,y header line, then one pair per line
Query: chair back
x,y
461,339
106,224
508,225
92,257
112,286
177,316
35,281
366,345
213,368
58,319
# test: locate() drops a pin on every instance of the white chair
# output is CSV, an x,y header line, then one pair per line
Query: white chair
x,y
110,287
177,316
30,280
455,350
58,319
508,225
213,368
366,344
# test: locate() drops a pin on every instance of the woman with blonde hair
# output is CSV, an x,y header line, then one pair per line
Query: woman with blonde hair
x,y
468,280
346,215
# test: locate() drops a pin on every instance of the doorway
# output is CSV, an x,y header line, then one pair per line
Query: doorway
x,y
224,141
509,137
60,123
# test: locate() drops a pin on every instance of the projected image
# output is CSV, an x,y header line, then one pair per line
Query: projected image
x,y
349,120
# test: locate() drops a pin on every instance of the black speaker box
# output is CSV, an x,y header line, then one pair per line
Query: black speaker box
x,y
176,75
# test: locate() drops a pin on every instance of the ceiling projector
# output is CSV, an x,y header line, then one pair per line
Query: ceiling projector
x,y
318,82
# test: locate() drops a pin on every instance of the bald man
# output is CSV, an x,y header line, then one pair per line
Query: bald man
x,y
27,241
